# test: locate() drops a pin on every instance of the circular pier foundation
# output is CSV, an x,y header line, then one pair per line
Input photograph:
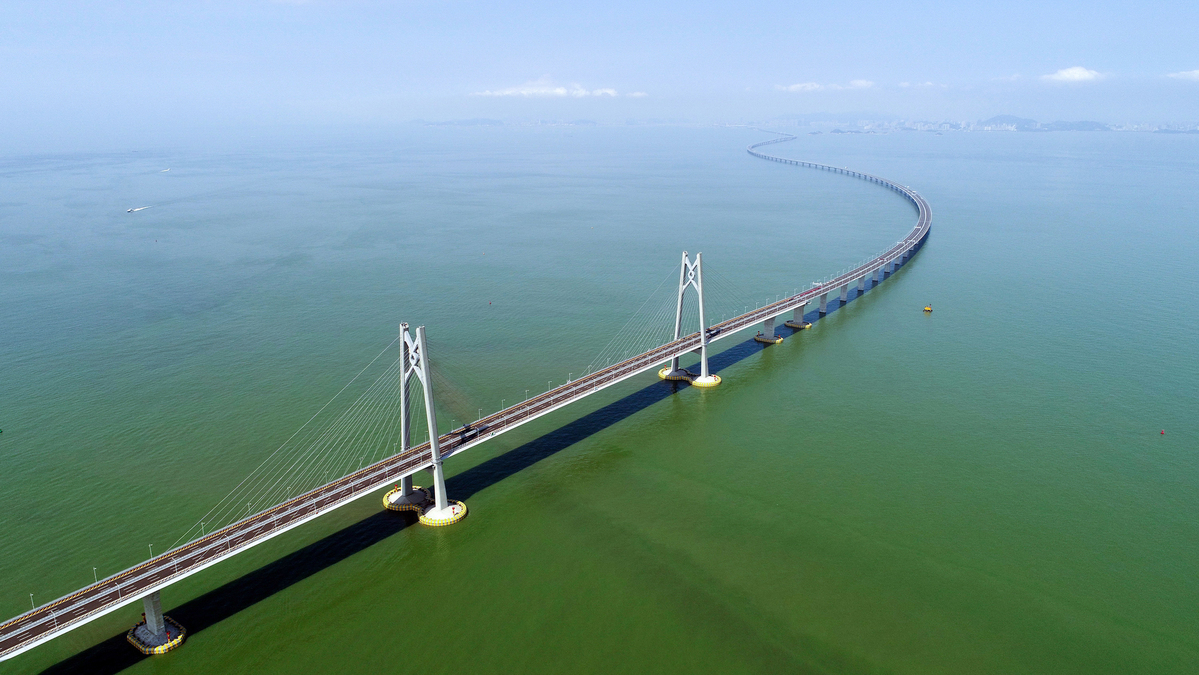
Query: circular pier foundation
x,y
681,374
148,643
452,513
797,325
416,501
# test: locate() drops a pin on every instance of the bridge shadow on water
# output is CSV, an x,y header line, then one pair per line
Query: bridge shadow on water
x,y
115,654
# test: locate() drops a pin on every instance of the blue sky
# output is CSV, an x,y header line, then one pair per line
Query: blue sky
x,y
120,64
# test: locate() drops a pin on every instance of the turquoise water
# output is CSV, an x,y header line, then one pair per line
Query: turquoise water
x,y
980,490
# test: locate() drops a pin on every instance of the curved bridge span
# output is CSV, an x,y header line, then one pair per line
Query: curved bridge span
x,y
143,581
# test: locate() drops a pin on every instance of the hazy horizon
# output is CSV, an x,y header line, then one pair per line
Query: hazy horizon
x,y
116,72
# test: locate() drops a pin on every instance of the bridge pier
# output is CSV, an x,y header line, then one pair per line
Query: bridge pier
x,y
861,285
823,304
845,294
797,321
878,271
155,633
767,335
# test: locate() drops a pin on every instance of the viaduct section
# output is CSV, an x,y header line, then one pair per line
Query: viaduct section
x,y
143,582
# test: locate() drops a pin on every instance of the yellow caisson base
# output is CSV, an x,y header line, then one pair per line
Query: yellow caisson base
x,y
405,506
457,512
684,375
179,635
797,325
665,375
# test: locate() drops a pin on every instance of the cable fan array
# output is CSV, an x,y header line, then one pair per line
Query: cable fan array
x,y
328,446
652,325
335,442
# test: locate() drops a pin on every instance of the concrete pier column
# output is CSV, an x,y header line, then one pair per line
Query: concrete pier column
x,y
440,502
862,285
797,321
878,272
768,327
823,303
844,294
153,605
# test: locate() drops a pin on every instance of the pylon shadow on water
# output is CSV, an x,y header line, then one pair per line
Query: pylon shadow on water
x,y
114,654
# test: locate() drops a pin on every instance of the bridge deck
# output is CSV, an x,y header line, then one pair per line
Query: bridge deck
x,y
44,623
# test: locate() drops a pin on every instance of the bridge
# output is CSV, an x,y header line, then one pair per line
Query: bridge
x,y
144,581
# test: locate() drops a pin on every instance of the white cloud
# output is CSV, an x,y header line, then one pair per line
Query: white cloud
x,y
1073,74
1186,75
802,86
545,88
637,94
1007,78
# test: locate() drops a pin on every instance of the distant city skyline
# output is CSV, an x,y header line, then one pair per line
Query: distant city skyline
x,y
124,68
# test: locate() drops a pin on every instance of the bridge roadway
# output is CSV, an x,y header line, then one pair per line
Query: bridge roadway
x,y
50,620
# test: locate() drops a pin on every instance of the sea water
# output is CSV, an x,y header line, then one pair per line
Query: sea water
x,y
980,489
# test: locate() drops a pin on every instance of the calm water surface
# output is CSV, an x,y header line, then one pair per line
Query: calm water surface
x,y
980,490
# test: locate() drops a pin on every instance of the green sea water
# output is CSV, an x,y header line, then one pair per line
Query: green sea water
x,y
980,490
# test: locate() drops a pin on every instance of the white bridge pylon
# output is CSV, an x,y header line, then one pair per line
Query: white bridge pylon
x,y
691,275
414,362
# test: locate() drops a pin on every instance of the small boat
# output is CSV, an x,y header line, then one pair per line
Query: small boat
x,y
928,309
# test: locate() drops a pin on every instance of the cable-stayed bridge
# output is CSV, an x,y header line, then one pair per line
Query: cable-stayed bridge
x,y
387,416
